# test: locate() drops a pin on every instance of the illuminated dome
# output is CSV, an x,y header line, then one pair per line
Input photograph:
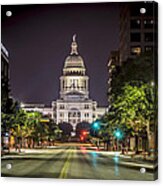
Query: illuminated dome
x,y
74,81
74,61
74,64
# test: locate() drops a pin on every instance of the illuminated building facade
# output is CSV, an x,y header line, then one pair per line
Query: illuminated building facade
x,y
74,105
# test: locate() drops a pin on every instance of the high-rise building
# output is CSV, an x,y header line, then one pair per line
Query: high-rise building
x,y
74,105
138,29
112,67
4,76
137,35
6,101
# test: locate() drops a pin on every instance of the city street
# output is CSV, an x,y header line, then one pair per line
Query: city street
x,y
79,91
77,162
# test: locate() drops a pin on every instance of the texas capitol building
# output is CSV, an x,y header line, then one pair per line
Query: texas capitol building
x,y
74,105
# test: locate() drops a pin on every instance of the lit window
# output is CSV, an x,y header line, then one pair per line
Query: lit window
x,y
113,66
136,50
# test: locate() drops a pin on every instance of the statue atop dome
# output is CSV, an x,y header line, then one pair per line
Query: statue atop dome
x,y
74,38
74,60
74,45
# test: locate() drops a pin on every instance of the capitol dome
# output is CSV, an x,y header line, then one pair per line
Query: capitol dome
x,y
74,63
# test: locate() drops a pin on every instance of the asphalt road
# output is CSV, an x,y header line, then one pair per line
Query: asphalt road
x,y
69,162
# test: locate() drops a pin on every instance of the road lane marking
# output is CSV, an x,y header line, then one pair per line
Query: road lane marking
x,y
64,170
66,165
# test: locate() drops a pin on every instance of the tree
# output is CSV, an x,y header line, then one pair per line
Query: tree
x,y
143,68
134,108
83,126
17,127
54,133
66,130
9,110
106,132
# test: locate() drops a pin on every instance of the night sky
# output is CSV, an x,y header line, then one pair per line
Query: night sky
x,y
38,38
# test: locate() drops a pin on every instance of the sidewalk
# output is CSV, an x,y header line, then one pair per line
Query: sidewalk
x,y
128,160
13,152
130,154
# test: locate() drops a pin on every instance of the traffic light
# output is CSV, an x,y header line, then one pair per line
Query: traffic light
x,y
118,134
81,138
96,125
84,133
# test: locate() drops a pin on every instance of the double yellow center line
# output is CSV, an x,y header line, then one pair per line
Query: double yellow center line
x,y
66,165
